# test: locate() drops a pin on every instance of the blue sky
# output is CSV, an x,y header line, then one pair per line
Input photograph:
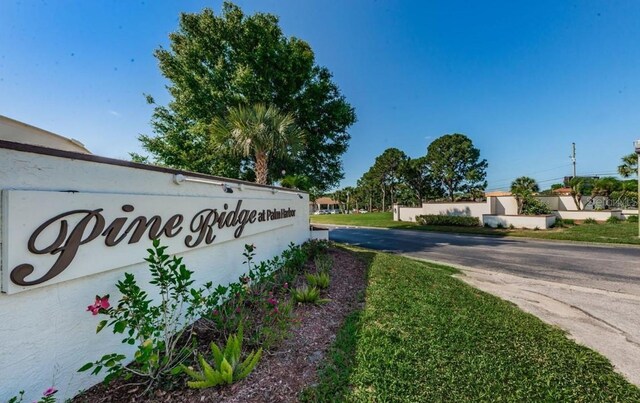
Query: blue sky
x,y
522,79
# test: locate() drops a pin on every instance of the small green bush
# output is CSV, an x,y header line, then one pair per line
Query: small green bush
x,y
453,220
568,221
613,220
632,218
320,280
533,206
307,295
323,263
590,221
315,247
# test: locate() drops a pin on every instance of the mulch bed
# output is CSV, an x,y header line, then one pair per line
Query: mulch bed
x,y
283,372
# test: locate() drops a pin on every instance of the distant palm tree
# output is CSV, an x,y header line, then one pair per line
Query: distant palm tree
x,y
522,188
629,165
260,132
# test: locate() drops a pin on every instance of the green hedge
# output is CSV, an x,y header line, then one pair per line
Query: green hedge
x,y
454,220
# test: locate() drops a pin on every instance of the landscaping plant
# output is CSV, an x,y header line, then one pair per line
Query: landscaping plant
x,y
227,366
307,295
323,263
319,280
433,219
161,330
47,396
590,221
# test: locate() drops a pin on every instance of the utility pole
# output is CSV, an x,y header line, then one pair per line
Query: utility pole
x,y
573,158
636,145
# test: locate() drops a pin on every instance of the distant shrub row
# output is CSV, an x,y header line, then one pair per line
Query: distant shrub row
x,y
459,221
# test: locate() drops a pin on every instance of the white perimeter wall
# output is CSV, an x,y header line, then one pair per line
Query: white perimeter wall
x,y
407,213
45,333
584,214
519,221
469,209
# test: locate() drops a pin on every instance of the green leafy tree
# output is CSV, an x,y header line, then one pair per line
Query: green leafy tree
x,y
386,173
259,132
368,187
220,61
522,189
629,166
580,186
416,175
456,166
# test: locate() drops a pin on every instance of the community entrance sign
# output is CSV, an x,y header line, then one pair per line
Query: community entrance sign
x,y
50,237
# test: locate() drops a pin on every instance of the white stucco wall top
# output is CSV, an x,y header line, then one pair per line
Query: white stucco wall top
x,y
19,132
71,155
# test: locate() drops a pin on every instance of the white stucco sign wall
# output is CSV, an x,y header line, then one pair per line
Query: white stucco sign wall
x,y
72,225
59,236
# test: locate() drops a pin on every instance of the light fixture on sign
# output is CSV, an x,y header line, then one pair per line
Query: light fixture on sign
x,y
227,188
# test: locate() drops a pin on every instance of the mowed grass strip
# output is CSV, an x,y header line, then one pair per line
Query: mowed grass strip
x,y
426,336
623,232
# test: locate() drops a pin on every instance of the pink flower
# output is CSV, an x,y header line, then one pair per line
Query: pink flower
x,y
285,285
49,392
100,303
215,312
272,301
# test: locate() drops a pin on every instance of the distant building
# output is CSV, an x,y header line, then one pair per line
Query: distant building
x,y
18,132
325,204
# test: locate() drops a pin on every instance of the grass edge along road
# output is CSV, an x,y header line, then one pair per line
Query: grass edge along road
x,y
424,335
620,233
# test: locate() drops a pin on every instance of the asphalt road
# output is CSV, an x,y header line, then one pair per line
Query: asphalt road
x,y
592,291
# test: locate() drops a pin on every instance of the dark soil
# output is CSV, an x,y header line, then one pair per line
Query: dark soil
x,y
286,370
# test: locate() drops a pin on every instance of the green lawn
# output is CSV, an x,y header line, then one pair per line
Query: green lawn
x,y
425,336
623,232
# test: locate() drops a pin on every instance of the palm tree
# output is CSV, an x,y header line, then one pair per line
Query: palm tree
x,y
260,132
629,165
522,188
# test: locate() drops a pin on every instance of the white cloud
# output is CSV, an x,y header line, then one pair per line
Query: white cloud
x,y
114,113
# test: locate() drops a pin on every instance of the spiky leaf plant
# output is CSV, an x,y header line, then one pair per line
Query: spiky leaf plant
x,y
227,367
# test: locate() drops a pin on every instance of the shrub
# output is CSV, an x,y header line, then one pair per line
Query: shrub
x,y
632,219
460,221
568,221
613,220
533,206
323,263
157,328
227,367
320,280
315,247
590,221
253,299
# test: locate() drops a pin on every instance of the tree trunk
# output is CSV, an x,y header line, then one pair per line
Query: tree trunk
x,y
384,196
261,168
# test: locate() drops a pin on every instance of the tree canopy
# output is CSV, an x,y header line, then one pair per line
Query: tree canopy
x,y
522,189
456,165
385,174
259,132
629,166
218,62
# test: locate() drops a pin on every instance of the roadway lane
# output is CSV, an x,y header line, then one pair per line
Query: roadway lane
x,y
592,291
